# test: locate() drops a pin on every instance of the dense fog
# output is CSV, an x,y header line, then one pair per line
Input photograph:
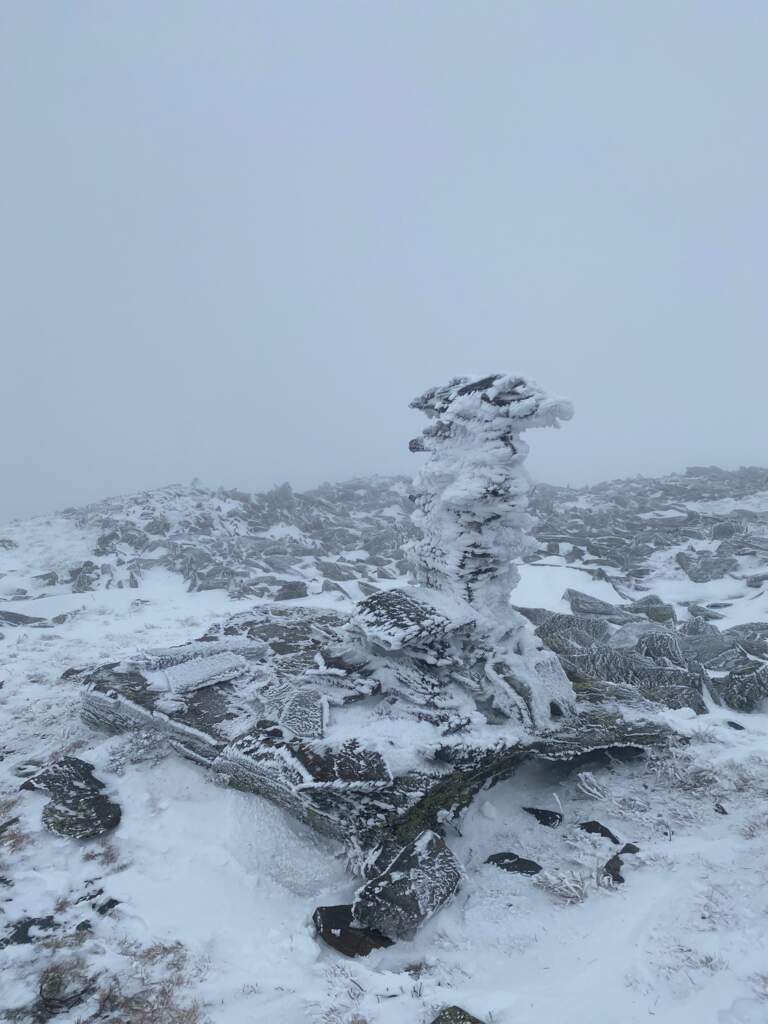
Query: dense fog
x,y
239,237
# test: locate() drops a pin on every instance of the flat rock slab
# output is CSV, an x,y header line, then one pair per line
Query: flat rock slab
x,y
78,809
585,604
703,566
17,619
335,927
517,865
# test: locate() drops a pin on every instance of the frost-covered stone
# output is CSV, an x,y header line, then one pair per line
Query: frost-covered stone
x,y
564,634
78,809
662,647
418,882
630,634
655,609
585,604
704,566
659,681
746,690
698,625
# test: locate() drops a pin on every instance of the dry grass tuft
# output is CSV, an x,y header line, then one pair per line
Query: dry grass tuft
x,y
566,886
107,855
160,1003
13,839
159,978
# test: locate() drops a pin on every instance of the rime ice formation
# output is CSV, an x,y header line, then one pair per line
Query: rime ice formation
x,y
379,727
471,508
472,494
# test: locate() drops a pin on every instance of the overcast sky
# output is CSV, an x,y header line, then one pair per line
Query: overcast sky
x,y
236,238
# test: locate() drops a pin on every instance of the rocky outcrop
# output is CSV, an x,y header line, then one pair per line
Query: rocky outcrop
x,y
418,882
378,727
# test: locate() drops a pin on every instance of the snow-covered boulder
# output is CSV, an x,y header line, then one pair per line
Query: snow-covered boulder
x,y
418,882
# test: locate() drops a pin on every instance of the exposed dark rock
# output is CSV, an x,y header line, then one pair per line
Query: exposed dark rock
x,y
20,932
455,1015
335,926
613,868
418,882
517,865
735,725
629,848
17,619
78,808
107,906
719,809
596,829
552,819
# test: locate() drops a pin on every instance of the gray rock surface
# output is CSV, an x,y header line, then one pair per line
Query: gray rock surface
x,y
704,566
418,882
78,808
745,690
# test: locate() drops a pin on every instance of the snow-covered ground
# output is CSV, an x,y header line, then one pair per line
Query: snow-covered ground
x,y
233,879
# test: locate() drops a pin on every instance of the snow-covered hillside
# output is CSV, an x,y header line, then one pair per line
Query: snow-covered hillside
x,y
198,907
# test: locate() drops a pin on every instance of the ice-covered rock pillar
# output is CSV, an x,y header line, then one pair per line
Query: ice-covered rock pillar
x,y
471,495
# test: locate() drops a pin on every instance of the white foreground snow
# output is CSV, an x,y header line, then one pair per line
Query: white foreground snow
x,y
235,880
